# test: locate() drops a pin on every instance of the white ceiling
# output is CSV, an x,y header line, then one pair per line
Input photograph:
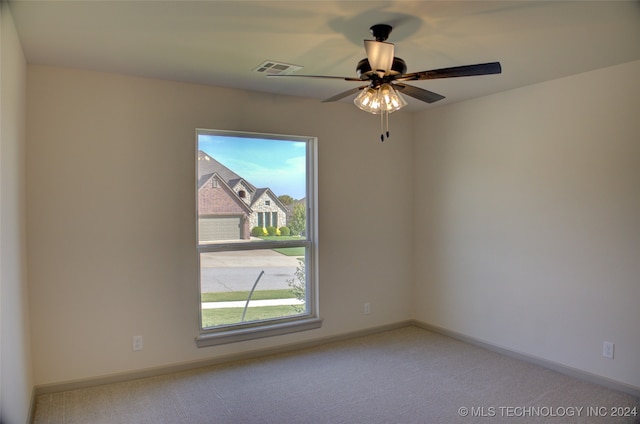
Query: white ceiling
x,y
220,42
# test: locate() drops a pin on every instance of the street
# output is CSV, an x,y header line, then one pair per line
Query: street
x,y
238,270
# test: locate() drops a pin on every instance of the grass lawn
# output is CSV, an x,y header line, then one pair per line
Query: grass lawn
x,y
242,295
214,317
280,238
287,251
291,251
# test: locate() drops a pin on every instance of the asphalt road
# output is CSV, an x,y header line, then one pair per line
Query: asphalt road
x,y
237,271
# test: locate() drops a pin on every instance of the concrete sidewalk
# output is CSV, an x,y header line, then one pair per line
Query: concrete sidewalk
x,y
247,259
253,303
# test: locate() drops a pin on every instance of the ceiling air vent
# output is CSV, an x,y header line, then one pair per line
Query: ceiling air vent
x,y
271,67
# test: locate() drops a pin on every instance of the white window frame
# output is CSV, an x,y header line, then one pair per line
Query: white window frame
x,y
257,329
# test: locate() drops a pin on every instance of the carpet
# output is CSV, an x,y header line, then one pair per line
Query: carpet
x,y
408,375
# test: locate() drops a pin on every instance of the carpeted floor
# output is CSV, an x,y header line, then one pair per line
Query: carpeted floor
x,y
408,375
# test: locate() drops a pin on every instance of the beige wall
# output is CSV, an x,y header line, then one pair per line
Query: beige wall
x,y
16,380
111,216
529,209
525,209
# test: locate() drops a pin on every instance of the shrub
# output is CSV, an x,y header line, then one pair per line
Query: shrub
x,y
258,232
284,231
272,231
298,285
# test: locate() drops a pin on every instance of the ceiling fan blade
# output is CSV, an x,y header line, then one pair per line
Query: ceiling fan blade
x,y
456,71
344,94
315,76
419,93
380,55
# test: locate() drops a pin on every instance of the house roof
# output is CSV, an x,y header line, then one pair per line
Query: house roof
x,y
203,180
207,166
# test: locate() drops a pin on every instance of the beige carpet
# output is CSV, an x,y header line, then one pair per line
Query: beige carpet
x,y
402,376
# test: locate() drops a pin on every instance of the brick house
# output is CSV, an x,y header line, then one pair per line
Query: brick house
x,y
230,206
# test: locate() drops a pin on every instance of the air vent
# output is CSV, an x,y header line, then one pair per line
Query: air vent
x,y
271,67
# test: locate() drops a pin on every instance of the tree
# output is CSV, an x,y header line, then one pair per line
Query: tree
x,y
299,219
286,199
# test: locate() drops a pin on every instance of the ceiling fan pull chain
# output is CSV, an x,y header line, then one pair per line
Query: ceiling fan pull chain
x,y
381,126
387,119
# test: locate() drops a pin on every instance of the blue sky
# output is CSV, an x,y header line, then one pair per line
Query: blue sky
x,y
277,164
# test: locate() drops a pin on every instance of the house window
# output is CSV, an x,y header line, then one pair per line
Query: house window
x,y
253,282
242,194
261,219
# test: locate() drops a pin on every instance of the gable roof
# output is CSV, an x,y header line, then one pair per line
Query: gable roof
x,y
206,178
207,166
261,191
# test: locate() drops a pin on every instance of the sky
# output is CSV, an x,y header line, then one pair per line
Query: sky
x,y
277,164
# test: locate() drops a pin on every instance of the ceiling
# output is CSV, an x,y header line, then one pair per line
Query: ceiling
x,y
220,43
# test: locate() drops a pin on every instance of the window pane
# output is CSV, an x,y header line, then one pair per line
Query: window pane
x,y
256,235
247,185
272,281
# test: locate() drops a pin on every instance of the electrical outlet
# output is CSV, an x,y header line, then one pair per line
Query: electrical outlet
x,y
367,308
607,350
137,343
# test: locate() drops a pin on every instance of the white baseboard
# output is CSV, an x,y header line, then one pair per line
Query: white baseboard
x,y
561,368
186,366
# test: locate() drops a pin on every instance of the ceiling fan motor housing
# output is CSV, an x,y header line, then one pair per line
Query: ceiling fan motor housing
x,y
381,31
365,72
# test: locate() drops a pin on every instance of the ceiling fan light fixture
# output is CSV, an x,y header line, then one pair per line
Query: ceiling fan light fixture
x,y
381,99
390,99
367,100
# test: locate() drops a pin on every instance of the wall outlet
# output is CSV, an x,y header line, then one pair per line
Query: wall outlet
x,y
137,343
367,308
607,350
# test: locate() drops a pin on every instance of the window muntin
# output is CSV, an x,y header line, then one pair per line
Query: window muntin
x,y
257,258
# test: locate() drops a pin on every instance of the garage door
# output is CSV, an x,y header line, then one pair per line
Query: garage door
x,y
220,228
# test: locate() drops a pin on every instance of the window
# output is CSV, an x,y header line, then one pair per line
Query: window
x,y
257,257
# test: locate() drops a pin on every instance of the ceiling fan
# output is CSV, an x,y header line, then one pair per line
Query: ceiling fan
x,y
386,74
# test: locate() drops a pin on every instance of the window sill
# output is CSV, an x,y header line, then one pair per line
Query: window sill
x,y
243,334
